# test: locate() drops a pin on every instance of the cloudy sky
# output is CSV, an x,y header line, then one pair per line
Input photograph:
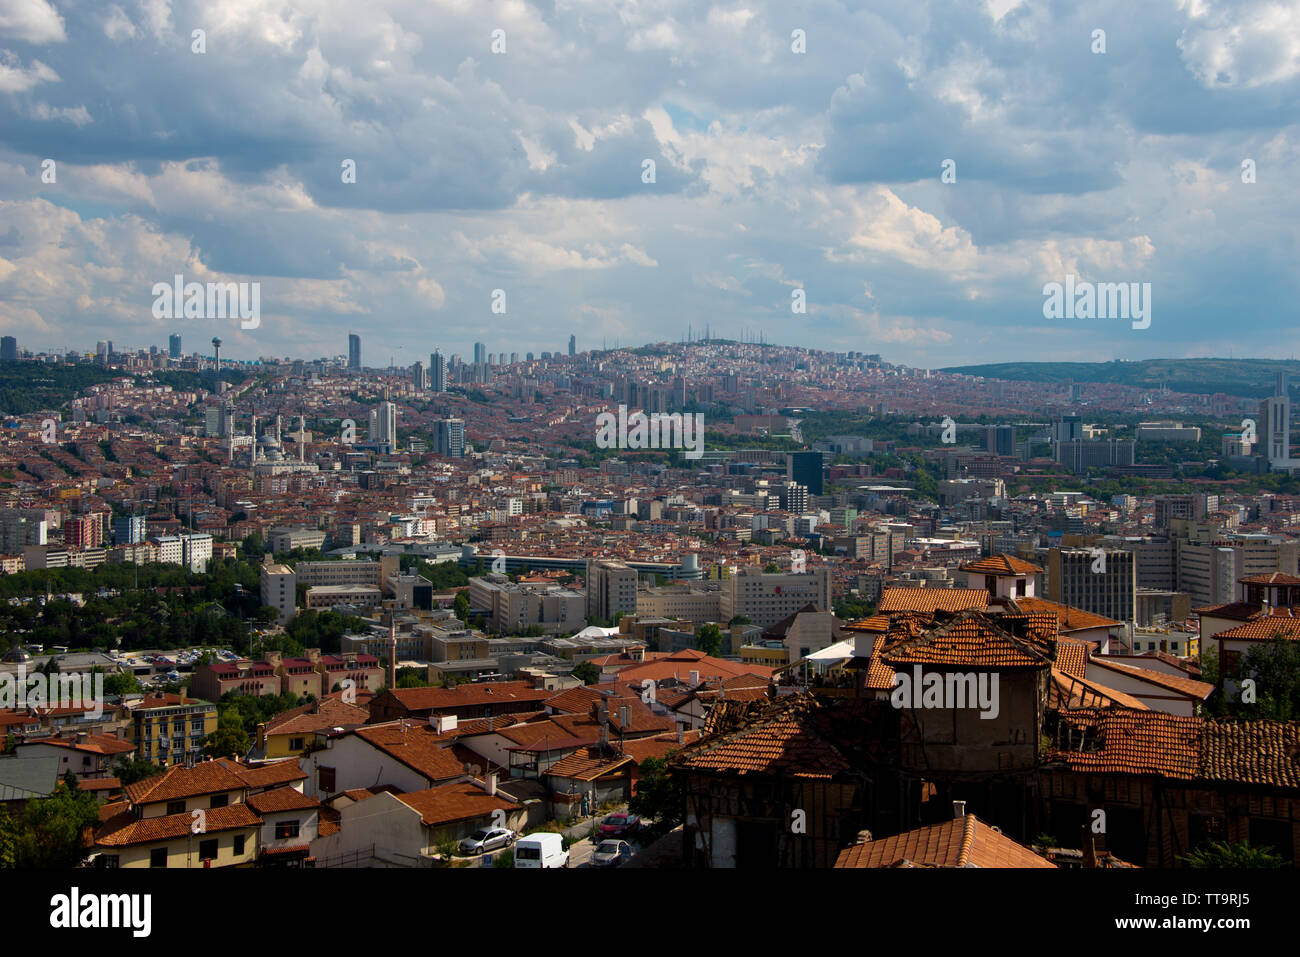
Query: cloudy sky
x,y
774,170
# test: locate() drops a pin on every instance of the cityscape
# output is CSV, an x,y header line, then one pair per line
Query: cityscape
x,y
648,437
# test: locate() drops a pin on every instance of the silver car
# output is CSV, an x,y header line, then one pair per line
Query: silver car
x,y
610,853
487,839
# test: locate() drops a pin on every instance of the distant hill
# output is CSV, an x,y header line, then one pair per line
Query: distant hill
x,y
1245,377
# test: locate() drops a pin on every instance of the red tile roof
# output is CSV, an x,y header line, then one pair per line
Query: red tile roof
x,y
414,744
281,799
468,695
962,842
448,803
1153,743
1001,564
931,599
123,829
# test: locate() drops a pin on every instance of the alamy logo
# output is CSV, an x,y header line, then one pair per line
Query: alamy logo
x,y
74,910
75,691
954,690
1104,300
214,300
659,430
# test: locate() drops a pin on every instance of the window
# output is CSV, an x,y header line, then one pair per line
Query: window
x,y
219,800
158,857
286,829
175,807
109,861
327,780
208,849
238,845
295,744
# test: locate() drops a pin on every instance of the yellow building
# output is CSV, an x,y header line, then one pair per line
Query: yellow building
x,y
168,728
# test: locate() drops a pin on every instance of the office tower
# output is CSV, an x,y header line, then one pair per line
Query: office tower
x,y
174,346
1078,578
449,437
480,353
354,351
1274,426
419,378
611,588
8,348
530,357
212,421
1069,428
573,345
514,358
101,352
129,530
438,372
1000,439
383,425
806,469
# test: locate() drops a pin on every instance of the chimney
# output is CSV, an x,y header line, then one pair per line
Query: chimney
x,y
492,783
958,809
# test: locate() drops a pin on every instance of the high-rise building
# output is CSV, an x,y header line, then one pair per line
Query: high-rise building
x,y
383,425
438,372
419,378
449,437
1104,583
514,358
174,346
129,530
354,351
8,348
806,469
1274,428
573,345
480,353
611,588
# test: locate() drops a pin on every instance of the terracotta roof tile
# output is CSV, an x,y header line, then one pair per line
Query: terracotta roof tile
x,y
123,829
931,599
281,799
1001,564
962,842
448,803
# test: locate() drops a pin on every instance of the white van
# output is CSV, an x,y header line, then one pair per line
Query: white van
x,y
541,850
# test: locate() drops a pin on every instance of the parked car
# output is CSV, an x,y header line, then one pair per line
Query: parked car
x,y
545,849
487,839
620,825
610,853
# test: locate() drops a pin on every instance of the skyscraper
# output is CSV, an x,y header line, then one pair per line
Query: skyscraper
x,y
1274,428
480,353
9,348
573,345
383,425
806,469
174,346
354,351
419,379
449,437
438,372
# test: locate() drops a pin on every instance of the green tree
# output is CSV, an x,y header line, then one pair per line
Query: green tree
x,y
137,769
708,639
659,800
461,606
121,683
588,672
54,829
1220,854
230,736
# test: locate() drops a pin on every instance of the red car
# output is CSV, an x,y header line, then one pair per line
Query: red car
x,y
620,825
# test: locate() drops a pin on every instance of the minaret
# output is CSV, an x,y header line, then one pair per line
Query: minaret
x,y
254,453
302,440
